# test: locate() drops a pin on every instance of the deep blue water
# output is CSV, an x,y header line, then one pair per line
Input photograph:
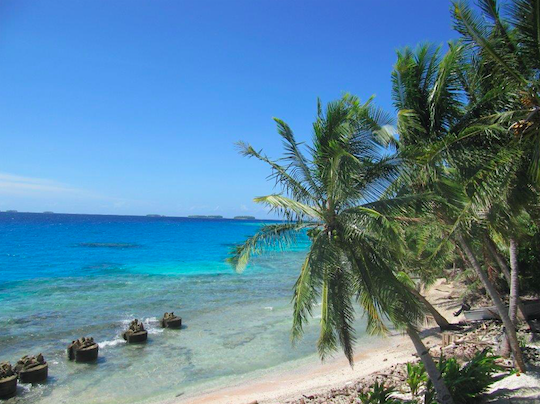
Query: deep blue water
x,y
67,276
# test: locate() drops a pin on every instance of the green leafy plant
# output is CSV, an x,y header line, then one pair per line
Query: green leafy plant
x,y
522,339
379,394
416,376
467,383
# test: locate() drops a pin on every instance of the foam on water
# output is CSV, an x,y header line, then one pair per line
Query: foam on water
x,y
112,342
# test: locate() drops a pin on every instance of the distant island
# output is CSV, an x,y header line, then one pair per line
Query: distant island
x,y
150,215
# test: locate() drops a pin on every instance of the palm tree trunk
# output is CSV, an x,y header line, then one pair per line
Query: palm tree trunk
x,y
522,314
514,295
500,260
501,308
514,281
443,394
438,317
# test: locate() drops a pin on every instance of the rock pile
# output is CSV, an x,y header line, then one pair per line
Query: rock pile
x,y
29,362
135,332
83,350
8,380
6,370
32,369
170,320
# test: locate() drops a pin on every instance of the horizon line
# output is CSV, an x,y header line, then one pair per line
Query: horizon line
x,y
150,215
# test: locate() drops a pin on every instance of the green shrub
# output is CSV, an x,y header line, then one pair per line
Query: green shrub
x,y
378,394
416,376
466,384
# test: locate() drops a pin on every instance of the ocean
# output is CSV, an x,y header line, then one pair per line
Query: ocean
x,y
67,276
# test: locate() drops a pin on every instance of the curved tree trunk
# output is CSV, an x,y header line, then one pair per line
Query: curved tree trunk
x,y
501,308
443,395
500,260
438,317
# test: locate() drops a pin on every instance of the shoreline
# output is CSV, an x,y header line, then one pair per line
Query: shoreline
x,y
316,378
308,379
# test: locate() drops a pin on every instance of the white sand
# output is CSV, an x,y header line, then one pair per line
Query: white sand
x,y
516,389
309,380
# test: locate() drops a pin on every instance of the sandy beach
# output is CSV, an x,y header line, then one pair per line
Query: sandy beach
x,y
306,381
309,380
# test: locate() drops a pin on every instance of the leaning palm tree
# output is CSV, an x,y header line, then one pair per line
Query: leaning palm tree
x,y
332,193
434,109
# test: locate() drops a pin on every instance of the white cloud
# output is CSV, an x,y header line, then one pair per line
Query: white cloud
x,y
28,186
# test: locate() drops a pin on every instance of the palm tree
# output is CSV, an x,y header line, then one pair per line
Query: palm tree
x,y
434,109
332,192
508,50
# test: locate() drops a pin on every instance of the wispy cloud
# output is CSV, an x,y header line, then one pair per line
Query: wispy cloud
x,y
11,184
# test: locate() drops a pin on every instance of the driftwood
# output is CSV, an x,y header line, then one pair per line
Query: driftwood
x,y
531,308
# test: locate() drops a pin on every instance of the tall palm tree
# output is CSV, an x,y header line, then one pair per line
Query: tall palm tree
x,y
332,192
434,108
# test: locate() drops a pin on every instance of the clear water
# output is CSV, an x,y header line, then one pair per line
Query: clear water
x,y
67,276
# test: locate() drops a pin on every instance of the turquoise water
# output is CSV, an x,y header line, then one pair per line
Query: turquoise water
x,y
67,276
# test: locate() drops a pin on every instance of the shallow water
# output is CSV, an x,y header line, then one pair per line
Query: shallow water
x,y
67,276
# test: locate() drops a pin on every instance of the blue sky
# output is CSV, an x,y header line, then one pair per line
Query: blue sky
x,y
133,107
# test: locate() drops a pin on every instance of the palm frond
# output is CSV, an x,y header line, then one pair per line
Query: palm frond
x,y
279,173
472,29
289,208
272,236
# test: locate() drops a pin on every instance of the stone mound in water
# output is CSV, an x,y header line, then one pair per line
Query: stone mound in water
x,y
8,380
32,369
83,350
170,320
136,332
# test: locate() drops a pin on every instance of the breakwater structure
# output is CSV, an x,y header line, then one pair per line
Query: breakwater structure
x,y
34,369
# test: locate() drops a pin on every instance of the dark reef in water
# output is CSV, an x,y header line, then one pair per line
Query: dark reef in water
x,y
109,245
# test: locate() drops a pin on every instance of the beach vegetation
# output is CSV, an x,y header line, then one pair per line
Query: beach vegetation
x,y
416,376
467,383
379,394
